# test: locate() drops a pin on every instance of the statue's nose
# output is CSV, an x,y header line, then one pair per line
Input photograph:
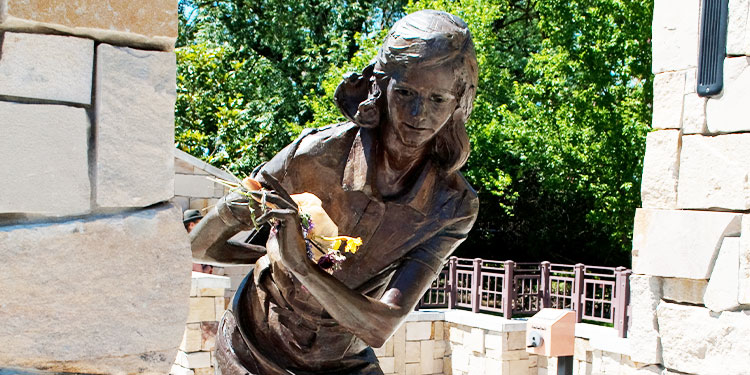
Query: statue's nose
x,y
417,107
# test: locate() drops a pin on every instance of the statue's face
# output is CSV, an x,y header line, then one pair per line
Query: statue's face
x,y
420,103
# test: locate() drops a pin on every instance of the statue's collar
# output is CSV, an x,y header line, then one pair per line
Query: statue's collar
x,y
359,175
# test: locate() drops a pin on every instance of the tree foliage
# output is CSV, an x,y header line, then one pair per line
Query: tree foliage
x,y
558,126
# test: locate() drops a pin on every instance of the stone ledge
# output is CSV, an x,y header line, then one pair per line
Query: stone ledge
x,y
151,25
202,280
200,164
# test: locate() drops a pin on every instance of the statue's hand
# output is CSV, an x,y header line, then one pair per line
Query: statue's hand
x,y
237,209
286,237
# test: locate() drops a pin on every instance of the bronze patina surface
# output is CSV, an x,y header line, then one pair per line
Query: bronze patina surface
x,y
389,176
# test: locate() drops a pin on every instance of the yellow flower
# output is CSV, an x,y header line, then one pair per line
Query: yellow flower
x,y
352,244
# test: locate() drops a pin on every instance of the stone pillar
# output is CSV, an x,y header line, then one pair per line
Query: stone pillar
x,y
96,263
691,254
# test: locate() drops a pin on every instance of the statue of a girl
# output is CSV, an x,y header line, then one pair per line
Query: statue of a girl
x,y
390,177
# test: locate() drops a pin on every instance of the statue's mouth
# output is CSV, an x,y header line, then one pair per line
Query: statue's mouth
x,y
410,126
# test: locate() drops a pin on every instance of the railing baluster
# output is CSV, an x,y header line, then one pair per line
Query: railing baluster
x,y
508,289
476,286
578,291
452,282
544,284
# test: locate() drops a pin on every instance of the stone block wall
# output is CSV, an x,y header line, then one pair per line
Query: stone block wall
x,y
207,306
691,240
88,238
192,188
457,342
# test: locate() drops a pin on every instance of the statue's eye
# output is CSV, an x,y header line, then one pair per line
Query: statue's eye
x,y
404,92
438,99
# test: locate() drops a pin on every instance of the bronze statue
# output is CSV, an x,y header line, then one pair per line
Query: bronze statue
x,y
390,177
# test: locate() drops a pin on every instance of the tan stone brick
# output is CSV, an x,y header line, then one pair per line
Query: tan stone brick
x,y
515,355
399,349
519,366
208,335
202,309
493,367
211,292
439,349
205,371
496,341
412,369
388,365
413,351
379,352
426,350
476,364
219,306
437,330
517,340
191,339
456,335
416,331
389,347
475,341
182,167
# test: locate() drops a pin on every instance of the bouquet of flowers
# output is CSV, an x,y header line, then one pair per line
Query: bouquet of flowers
x,y
322,239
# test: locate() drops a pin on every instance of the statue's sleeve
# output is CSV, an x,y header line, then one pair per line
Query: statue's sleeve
x,y
458,221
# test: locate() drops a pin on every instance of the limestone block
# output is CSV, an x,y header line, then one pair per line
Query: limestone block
x,y
696,341
388,365
713,172
135,95
437,366
674,243
183,202
456,335
460,359
723,286
418,331
193,360
477,364
519,367
191,339
691,82
208,335
439,349
669,92
729,112
675,31
412,369
399,349
179,370
202,204
389,347
475,340
514,355
744,271
517,340
48,67
379,352
643,334
202,309
48,145
496,341
426,361
661,166
205,371
683,290
111,297
193,186
437,330
694,115
152,24
738,28
220,305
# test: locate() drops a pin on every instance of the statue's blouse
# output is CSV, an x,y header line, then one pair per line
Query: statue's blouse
x,y
425,224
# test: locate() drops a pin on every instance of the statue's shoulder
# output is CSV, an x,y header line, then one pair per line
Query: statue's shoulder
x,y
467,201
331,138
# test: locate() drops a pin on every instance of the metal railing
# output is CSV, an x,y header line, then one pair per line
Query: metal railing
x,y
598,294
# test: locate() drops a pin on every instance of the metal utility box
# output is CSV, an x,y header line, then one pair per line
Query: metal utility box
x,y
551,333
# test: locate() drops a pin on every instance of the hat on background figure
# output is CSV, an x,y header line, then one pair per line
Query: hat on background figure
x,y
191,215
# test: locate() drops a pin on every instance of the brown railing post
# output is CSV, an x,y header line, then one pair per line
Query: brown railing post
x,y
578,291
621,300
452,282
476,285
545,284
508,289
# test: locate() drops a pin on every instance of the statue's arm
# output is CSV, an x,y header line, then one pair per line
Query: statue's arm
x,y
373,320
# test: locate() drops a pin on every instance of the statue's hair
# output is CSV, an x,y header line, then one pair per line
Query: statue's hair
x,y
428,38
